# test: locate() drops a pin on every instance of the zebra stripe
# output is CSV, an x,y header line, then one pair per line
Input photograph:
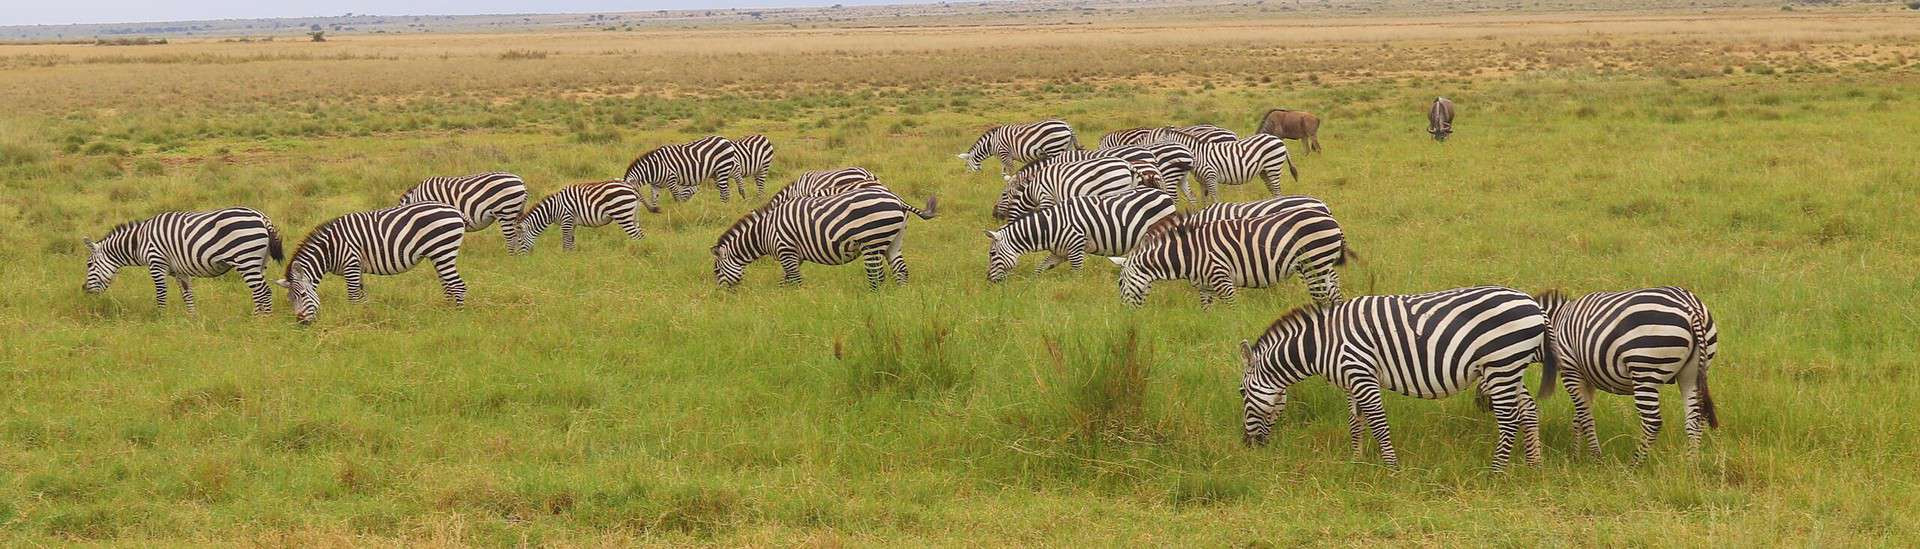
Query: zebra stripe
x,y
1148,163
681,168
1020,143
387,241
1222,211
756,159
1209,133
1233,163
1428,345
482,198
822,183
583,205
1219,257
829,230
1125,137
1044,186
1175,162
1632,342
1106,225
186,245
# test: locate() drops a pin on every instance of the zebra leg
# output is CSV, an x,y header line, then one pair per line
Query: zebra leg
x,y
790,266
1696,418
1529,426
1646,399
159,273
1582,397
898,261
1221,283
1365,394
630,226
1052,260
760,183
508,229
1323,282
875,262
255,276
566,233
450,282
1355,429
1506,413
1272,179
1006,162
186,292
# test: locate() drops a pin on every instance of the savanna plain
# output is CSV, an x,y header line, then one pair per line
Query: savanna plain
x,y
614,395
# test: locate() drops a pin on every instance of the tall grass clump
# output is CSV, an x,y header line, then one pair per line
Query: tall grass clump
x,y
915,361
1105,396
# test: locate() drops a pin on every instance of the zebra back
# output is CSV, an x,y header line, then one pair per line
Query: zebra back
x,y
822,183
481,198
1049,184
1260,208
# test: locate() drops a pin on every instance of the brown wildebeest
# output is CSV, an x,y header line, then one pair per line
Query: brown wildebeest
x,y
1291,124
1440,119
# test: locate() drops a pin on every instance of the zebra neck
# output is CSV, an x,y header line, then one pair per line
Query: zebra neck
x,y
123,246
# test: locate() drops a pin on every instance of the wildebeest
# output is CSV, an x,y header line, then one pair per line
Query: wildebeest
x,y
1440,119
1291,124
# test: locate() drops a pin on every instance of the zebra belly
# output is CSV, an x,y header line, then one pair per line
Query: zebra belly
x,y
594,219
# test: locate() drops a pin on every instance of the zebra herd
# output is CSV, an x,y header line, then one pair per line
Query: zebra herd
x,y
1119,201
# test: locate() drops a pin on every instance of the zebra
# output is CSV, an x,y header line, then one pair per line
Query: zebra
x,y
756,159
1210,133
1429,345
584,205
1218,257
1145,161
1222,211
1020,143
185,245
1233,163
823,183
829,230
1126,136
1632,342
1042,187
1175,162
1107,225
387,241
681,168
482,198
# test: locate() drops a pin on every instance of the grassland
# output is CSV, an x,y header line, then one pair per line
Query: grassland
x,y
613,395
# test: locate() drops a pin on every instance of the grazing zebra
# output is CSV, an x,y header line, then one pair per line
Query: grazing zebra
x,y
1106,225
1220,256
681,168
1429,345
1221,211
1145,160
1042,187
756,159
829,230
583,205
1020,143
823,183
1632,342
483,198
185,245
1124,137
387,241
1233,163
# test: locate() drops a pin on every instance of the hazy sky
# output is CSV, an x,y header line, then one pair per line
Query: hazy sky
x,y
54,12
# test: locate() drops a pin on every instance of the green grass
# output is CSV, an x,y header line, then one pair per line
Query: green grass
x,y
614,393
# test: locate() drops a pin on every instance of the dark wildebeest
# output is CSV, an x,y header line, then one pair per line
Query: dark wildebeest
x,y
1440,119
1290,124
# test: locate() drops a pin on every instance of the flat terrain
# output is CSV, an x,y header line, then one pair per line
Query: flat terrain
x,y
613,395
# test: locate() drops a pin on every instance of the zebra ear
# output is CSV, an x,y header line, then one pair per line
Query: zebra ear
x,y
1121,261
1246,351
88,242
282,282
990,234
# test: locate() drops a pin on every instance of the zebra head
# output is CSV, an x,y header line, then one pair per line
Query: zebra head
x,y
100,267
1284,355
977,154
303,291
1001,257
1134,280
728,268
1008,205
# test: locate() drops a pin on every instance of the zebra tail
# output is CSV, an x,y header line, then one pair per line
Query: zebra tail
x,y
274,250
933,202
1346,254
1549,364
1292,169
1699,328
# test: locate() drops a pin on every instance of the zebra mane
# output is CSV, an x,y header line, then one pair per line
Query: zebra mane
x,y
734,229
122,228
1175,224
642,158
1296,314
303,245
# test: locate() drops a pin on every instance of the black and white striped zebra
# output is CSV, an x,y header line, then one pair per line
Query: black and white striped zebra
x,y
1105,225
1218,257
1125,137
1146,163
387,241
1175,162
830,230
1209,133
583,205
1222,211
1632,342
483,198
823,183
1429,345
1017,144
680,168
756,159
1260,156
185,245
1046,185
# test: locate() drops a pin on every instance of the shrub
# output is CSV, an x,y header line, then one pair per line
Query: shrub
x,y
519,55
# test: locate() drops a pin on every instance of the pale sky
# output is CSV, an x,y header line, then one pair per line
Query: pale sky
x,y
57,12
